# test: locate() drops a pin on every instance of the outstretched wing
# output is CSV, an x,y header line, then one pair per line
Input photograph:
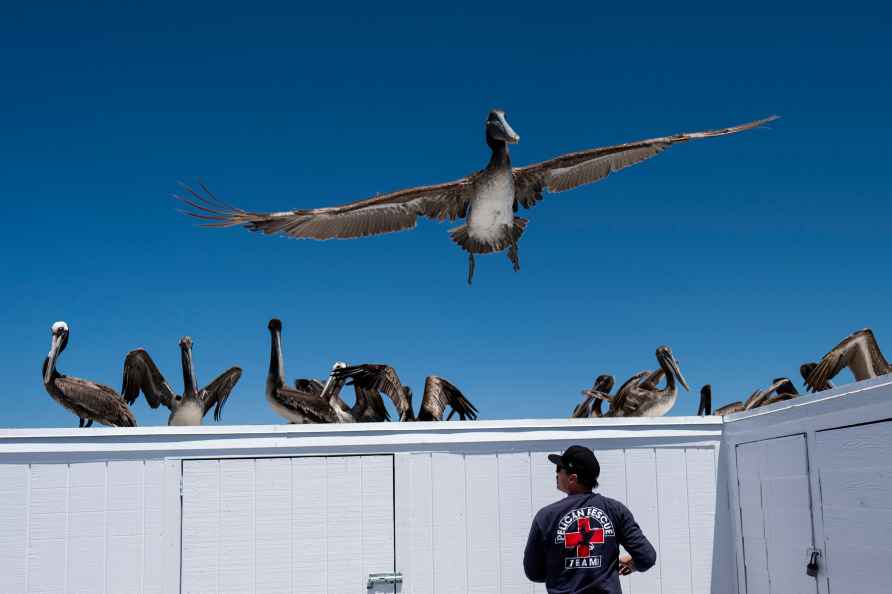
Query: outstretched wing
x,y
386,213
380,378
438,394
96,401
216,392
141,374
833,362
584,167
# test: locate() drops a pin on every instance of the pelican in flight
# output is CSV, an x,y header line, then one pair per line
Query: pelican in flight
x,y
487,199
88,400
859,352
640,397
142,375
594,398
296,405
438,393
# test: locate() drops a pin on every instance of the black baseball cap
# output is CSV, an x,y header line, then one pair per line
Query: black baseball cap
x,y
581,461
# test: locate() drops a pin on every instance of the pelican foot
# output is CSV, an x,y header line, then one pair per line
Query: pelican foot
x,y
514,257
471,265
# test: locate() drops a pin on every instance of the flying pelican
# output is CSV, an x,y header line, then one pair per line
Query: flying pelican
x,y
295,405
859,352
438,393
594,397
88,400
487,199
142,375
639,396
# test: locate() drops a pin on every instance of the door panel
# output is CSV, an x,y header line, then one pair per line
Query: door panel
x,y
775,515
283,525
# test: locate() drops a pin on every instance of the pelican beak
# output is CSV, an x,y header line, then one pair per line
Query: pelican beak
x,y
674,364
511,136
54,352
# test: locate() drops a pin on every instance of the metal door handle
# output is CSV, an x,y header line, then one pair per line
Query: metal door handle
x,y
384,578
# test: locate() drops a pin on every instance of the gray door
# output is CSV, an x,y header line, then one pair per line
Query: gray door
x,y
775,515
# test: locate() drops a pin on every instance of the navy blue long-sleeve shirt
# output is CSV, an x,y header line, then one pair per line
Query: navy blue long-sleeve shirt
x,y
574,545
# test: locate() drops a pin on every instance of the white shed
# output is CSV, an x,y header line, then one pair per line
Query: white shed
x,y
446,506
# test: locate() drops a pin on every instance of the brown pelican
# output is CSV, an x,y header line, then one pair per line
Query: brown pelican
x,y
438,393
639,396
487,199
598,393
294,404
142,375
88,400
781,388
367,408
859,352
805,370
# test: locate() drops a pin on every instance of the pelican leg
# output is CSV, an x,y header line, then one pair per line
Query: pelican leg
x,y
512,255
80,422
89,423
470,267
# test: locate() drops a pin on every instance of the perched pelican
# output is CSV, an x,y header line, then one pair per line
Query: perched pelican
x,y
805,370
594,397
487,199
781,388
705,407
438,393
295,405
367,408
142,375
859,352
641,398
88,400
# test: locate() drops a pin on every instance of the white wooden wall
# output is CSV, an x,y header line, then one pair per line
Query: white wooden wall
x,y
463,519
91,528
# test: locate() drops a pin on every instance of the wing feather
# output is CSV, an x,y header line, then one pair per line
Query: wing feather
x,y
96,401
572,170
217,392
381,378
386,213
141,374
438,394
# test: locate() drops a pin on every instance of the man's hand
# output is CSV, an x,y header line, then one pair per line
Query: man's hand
x,y
626,565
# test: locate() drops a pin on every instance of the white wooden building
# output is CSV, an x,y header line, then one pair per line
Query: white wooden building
x,y
448,505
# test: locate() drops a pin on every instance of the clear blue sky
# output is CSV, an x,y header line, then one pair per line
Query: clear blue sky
x,y
747,255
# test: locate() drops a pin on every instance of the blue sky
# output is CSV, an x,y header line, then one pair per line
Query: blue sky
x,y
747,255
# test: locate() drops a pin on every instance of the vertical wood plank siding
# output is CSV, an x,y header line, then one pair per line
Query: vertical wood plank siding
x,y
480,507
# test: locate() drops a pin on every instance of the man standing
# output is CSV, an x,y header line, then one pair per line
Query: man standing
x,y
574,543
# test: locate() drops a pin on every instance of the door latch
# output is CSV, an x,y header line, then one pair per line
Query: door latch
x,y
811,567
384,578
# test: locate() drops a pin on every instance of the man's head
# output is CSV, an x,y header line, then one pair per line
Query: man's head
x,y
577,470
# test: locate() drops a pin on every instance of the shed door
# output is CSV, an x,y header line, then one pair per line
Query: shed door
x,y
855,470
282,525
775,515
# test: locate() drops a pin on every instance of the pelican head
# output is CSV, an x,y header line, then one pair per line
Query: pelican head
x,y
275,325
664,354
705,408
805,369
497,128
59,341
338,365
186,342
604,383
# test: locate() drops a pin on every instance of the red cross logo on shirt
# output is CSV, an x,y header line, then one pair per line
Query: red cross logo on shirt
x,y
584,536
